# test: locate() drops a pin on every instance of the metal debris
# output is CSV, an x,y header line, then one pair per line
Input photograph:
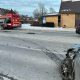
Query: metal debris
x,y
67,65
6,77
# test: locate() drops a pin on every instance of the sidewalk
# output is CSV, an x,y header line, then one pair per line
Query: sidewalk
x,y
27,26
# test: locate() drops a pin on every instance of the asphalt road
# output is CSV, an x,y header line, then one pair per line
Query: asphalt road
x,y
24,54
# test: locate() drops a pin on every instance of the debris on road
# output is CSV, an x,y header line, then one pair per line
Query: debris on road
x,y
67,66
6,77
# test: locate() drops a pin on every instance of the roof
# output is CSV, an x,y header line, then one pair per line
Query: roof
x,y
70,7
54,14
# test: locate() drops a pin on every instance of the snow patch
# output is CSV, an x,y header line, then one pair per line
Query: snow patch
x,y
27,26
5,78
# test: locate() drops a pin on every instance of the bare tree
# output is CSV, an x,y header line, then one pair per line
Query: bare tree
x,y
16,12
40,11
51,10
36,13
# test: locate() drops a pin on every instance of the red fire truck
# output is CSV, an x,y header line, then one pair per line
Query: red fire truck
x,y
10,21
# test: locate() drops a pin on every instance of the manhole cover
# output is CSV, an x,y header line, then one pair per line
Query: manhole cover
x,y
30,33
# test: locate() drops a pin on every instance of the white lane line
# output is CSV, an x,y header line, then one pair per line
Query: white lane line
x,y
34,49
28,48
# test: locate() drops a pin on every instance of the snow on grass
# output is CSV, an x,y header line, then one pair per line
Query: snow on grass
x,y
27,26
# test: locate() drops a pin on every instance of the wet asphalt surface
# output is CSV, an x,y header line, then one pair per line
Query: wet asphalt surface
x,y
34,55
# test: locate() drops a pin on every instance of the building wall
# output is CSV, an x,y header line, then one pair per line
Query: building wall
x,y
68,20
52,19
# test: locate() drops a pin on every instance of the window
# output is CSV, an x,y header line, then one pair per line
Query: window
x,y
8,20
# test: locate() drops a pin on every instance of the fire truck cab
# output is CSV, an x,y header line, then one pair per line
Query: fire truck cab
x,y
10,21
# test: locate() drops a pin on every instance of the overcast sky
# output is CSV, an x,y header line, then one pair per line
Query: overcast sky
x,y
27,6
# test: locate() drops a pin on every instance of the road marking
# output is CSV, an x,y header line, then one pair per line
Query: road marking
x,y
28,48
34,49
